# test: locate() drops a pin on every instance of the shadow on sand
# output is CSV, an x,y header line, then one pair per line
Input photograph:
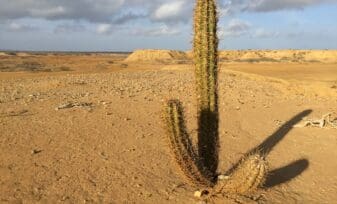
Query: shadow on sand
x,y
286,173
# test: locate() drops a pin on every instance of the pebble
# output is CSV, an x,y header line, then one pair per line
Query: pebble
x,y
35,151
197,194
223,177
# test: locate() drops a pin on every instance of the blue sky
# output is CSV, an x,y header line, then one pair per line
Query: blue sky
x,y
126,25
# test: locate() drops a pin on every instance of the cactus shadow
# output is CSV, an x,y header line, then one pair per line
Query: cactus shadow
x,y
286,173
268,144
208,140
290,171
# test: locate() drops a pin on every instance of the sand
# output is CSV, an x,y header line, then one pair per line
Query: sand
x,y
155,56
93,133
235,56
280,56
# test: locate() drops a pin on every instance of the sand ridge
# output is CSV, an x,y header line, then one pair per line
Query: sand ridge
x,y
237,56
153,56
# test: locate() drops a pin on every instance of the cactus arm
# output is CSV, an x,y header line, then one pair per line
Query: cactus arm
x,y
181,145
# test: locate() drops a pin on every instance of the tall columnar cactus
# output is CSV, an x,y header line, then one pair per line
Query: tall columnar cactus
x,y
200,166
205,53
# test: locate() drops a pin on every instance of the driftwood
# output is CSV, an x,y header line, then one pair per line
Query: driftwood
x,y
327,121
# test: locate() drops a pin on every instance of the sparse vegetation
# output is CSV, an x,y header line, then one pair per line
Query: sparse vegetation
x,y
63,69
257,60
31,66
11,53
124,66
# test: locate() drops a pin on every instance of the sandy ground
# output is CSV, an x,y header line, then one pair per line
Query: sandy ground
x,y
95,135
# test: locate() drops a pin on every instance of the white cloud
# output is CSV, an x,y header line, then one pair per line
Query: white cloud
x,y
155,32
238,28
232,6
274,5
49,12
18,27
263,33
129,16
104,29
90,10
69,28
169,10
122,11
235,28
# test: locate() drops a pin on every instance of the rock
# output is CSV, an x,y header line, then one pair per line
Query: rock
x,y
73,105
197,194
201,193
64,106
36,151
223,177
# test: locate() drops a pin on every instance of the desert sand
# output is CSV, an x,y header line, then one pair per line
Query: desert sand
x,y
87,127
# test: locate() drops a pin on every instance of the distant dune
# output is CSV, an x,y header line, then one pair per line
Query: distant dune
x,y
287,56
236,56
165,56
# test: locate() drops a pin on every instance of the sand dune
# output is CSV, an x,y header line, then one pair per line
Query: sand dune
x,y
237,56
277,56
153,56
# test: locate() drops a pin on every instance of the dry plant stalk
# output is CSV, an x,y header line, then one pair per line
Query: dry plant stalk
x,y
325,122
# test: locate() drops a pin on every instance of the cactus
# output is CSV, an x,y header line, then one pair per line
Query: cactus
x,y
200,166
181,146
245,178
205,53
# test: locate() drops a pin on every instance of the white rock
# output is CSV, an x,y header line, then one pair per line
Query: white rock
x,y
197,194
223,177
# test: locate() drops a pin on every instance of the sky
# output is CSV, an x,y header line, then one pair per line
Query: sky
x,y
127,25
